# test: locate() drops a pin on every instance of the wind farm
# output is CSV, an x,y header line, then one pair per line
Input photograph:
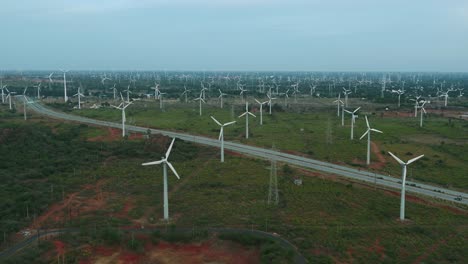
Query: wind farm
x,y
268,143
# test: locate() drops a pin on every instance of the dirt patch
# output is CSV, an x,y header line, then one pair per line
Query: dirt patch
x,y
378,249
211,251
432,249
114,134
73,205
381,159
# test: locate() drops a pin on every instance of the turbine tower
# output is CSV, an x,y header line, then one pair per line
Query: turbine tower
x,y
423,111
122,107
261,110
79,94
246,113
200,99
353,120
368,132
165,163
338,102
221,94
64,85
221,134
403,182
270,99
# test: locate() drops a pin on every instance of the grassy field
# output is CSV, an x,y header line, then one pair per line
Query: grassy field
x,y
329,220
319,135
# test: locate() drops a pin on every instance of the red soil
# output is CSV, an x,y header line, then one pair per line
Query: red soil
x,y
432,249
59,247
114,134
377,248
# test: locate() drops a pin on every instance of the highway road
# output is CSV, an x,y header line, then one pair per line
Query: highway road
x,y
358,175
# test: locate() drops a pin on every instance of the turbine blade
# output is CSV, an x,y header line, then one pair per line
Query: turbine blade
x,y
251,114
365,133
396,158
243,114
367,122
257,101
172,169
169,149
229,123
216,121
152,163
415,159
357,109
376,130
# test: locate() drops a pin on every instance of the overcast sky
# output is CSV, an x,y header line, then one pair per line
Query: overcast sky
x,y
308,35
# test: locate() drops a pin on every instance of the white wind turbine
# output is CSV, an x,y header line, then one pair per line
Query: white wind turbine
x,y
346,93
422,112
25,102
64,85
399,92
261,110
128,93
185,93
50,78
9,96
242,90
79,95
122,107
221,135
338,102
115,91
270,99
38,90
200,99
403,182
3,87
353,120
161,99
165,163
246,113
221,94
368,132
416,105
156,91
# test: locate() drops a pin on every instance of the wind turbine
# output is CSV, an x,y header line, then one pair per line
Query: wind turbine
x,y
122,107
338,102
261,110
346,93
165,163
403,182
399,92
242,90
200,99
9,96
79,94
185,93
38,90
25,102
128,93
368,132
353,120
270,101
115,91
246,113
416,105
3,87
221,94
156,91
221,135
50,78
161,99
423,111
64,85
286,96
103,79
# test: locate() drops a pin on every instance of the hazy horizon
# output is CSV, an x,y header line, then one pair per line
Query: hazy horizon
x,y
229,35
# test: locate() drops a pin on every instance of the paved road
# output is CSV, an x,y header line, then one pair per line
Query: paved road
x,y
298,257
360,175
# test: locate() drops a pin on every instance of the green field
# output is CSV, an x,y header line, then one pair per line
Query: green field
x,y
319,134
330,221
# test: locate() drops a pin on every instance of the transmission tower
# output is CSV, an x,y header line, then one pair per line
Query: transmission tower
x,y
273,188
